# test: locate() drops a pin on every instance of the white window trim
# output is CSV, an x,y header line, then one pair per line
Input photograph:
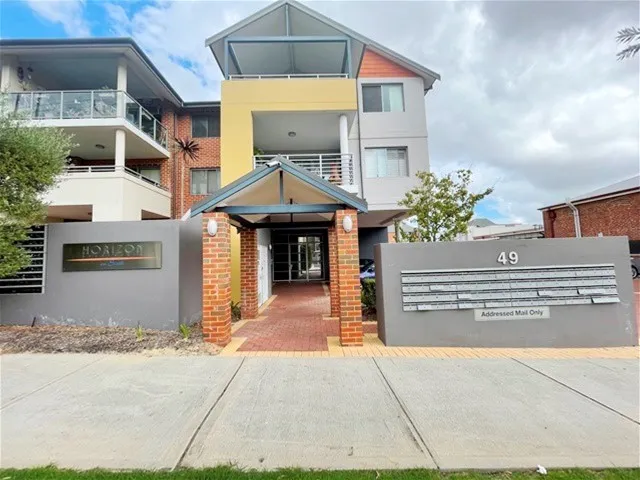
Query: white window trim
x,y
386,148
203,169
382,85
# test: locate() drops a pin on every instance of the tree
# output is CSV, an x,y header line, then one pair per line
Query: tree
x,y
630,37
190,149
442,206
31,158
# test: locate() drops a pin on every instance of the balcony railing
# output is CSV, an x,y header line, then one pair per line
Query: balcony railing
x,y
86,104
288,76
336,168
74,170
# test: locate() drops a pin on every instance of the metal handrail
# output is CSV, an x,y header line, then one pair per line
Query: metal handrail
x,y
87,104
288,76
74,169
336,168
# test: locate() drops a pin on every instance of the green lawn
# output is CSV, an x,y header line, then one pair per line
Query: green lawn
x,y
225,473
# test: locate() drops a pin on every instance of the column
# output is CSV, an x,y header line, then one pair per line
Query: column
x,y
120,149
216,279
351,333
9,74
249,273
333,272
344,150
121,85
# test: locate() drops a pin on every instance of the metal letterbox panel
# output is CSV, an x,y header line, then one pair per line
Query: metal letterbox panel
x,y
467,305
606,300
578,301
494,304
453,289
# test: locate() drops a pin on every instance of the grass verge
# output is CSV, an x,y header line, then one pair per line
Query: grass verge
x,y
227,473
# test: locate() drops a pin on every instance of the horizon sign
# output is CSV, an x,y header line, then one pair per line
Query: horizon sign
x,y
104,256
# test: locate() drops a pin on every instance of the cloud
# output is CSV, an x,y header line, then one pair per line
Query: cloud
x,y
68,13
532,97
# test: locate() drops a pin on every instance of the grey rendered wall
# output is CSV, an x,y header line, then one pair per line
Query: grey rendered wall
x,y
112,298
190,268
568,326
391,129
368,237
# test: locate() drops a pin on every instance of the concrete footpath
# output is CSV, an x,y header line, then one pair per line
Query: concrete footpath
x,y
130,411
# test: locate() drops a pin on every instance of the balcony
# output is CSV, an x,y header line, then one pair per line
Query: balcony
x,y
107,193
288,76
336,168
87,108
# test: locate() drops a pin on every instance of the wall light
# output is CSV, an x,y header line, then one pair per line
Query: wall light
x,y
347,223
212,227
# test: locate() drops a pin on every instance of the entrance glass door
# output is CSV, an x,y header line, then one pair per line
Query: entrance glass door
x,y
298,257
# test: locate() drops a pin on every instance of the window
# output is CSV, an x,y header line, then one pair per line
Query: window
x,y
150,173
386,162
204,182
205,125
387,97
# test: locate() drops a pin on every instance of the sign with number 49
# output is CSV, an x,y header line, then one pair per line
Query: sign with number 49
x,y
510,258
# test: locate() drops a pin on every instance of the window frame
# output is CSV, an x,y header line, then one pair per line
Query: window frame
x,y
386,149
209,117
381,87
204,169
138,168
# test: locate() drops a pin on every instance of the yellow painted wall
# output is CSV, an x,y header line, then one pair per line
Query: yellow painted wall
x,y
240,98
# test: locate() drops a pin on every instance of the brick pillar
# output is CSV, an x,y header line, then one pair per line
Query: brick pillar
x,y
249,273
333,272
216,280
348,280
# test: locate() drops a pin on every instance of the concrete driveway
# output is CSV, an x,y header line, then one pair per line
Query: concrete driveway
x,y
128,411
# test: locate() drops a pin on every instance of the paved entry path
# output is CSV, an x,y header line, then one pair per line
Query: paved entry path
x,y
132,411
294,321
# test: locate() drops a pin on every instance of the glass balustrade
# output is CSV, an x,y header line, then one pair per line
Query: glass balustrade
x,y
85,104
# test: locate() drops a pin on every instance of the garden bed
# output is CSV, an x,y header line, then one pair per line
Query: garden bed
x,y
73,339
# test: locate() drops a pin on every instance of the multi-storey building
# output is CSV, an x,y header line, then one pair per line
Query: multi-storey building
x,y
298,89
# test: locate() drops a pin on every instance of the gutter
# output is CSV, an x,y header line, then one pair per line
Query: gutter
x,y
576,218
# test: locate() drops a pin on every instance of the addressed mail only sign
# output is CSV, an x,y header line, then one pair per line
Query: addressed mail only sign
x,y
531,313
82,257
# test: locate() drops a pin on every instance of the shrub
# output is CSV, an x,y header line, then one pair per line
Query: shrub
x,y
368,295
235,311
185,330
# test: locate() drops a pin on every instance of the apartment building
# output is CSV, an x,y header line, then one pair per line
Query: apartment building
x,y
318,134
124,117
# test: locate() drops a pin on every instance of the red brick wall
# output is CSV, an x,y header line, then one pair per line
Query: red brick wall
x,y
351,332
612,216
333,272
374,65
208,157
249,273
216,280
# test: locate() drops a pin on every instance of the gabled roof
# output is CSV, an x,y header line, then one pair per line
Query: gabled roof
x,y
280,164
629,185
359,42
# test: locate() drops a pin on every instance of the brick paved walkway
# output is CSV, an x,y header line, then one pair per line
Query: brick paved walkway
x,y
293,322
293,326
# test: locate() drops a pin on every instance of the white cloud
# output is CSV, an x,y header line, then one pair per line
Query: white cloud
x,y
69,13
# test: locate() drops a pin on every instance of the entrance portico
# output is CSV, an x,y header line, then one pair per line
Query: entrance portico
x,y
289,203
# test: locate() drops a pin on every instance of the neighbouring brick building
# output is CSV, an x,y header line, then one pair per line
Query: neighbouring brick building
x,y
613,210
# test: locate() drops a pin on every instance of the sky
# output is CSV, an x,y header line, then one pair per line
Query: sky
x,y
532,98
